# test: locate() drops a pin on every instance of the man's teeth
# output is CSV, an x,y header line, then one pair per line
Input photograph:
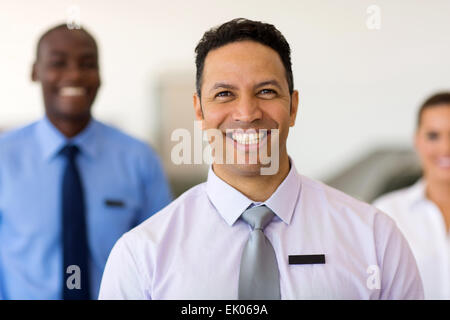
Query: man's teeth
x,y
72,91
248,138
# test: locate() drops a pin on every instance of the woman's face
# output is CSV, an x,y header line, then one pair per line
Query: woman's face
x,y
432,142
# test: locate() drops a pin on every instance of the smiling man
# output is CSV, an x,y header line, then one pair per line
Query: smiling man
x,y
248,235
70,186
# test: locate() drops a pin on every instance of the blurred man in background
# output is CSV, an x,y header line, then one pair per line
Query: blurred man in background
x,y
70,186
422,211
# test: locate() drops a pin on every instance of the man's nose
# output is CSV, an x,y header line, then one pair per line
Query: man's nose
x,y
73,72
247,109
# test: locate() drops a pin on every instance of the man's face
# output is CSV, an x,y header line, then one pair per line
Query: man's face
x,y
67,68
244,89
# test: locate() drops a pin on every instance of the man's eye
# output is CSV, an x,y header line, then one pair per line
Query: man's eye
x,y
432,135
57,63
223,94
267,93
89,65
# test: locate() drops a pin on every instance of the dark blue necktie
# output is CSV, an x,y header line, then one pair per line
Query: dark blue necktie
x,y
75,244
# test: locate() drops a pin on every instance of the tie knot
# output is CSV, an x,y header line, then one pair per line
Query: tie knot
x,y
70,151
258,217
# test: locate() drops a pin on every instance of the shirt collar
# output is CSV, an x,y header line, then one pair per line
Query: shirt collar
x,y
230,203
416,193
52,140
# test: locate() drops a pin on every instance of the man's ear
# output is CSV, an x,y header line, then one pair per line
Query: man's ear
x,y
294,108
197,107
34,76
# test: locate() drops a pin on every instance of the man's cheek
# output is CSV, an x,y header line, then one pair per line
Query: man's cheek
x,y
50,80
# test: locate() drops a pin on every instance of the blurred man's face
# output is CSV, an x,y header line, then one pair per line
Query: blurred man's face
x,y
433,142
67,67
245,95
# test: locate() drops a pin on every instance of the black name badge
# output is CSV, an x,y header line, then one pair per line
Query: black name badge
x,y
114,203
307,259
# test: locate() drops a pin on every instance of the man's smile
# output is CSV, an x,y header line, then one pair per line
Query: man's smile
x,y
248,139
72,91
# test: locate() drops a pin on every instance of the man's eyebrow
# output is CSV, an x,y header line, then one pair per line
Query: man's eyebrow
x,y
268,82
222,85
88,55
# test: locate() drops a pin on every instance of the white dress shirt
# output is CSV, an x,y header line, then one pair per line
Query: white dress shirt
x,y
192,248
423,226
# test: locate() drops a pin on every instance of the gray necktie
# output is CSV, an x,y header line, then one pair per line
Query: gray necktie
x,y
259,276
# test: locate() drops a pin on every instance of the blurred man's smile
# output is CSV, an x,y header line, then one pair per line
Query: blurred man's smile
x,y
72,91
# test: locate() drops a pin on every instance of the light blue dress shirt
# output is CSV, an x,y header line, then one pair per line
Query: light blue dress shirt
x,y
124,184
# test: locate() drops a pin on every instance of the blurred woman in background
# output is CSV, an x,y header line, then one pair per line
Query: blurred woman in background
x,y
422,211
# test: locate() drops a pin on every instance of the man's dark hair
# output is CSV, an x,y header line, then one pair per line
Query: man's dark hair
x,y
62,26
241,29
433,101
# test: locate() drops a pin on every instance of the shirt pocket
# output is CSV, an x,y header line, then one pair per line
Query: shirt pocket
x,y
110,216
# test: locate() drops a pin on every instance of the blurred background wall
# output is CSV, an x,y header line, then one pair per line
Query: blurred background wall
x,y
360,86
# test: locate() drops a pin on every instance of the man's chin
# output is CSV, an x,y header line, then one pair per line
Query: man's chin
x,y
246,170
71,113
